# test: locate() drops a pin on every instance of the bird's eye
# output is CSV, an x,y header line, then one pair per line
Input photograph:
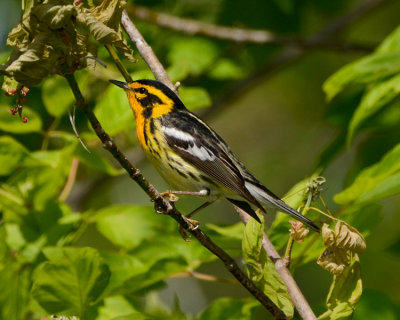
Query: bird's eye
x,y
142,90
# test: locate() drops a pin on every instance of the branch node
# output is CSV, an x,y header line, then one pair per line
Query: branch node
x,y
108,144
136,174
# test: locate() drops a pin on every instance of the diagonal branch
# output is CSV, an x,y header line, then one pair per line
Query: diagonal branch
x,y
294,291
146,51
163,206
297,297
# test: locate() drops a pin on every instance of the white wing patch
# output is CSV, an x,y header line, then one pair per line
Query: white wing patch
x,y
177,134
202,153
199,152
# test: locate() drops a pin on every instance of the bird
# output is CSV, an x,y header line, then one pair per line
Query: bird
x,y
191,157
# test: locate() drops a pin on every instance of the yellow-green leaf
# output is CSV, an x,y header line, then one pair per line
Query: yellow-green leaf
x,y
374,182
344,293
261,270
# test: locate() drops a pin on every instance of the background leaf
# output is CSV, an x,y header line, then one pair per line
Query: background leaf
x,y
72,284
14,124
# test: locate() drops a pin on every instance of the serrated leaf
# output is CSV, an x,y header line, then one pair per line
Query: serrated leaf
x,y
372,68
229,308
11,154
261,270
334,260
194,97
14,124
57,96
344,293
113,111
374,182
72,284
374,100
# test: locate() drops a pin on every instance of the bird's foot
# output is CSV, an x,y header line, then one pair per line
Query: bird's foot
x,y
170,195
192,225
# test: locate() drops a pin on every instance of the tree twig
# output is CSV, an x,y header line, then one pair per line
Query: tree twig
x,y
294,291
146,52
195,27
163,206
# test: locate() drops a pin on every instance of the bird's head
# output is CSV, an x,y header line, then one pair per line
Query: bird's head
x,y
150,98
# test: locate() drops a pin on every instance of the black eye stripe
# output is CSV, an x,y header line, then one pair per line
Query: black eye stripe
x,y
142,90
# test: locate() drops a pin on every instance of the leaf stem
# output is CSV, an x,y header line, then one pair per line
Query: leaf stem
x,y
118,63
290,243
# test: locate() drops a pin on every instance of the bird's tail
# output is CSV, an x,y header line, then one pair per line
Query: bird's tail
x,y
265,196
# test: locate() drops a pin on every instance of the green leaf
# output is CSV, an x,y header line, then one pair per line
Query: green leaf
x,y
113,111
14,290
226,69
374,100
11,154
365,218
38,185
190,57
391,42
123,267
72,284
57,96
375,305
117,307
344,293
372,68
153,277
229,308
375,182
261,269
95,161
234,231
127,226
195,98
14,124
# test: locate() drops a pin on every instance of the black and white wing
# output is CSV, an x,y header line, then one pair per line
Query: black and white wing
x,y
199,145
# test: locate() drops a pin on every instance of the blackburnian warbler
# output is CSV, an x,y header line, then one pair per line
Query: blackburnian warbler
x,y
191,156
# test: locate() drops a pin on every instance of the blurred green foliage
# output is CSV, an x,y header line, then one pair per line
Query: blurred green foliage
x,y
68,247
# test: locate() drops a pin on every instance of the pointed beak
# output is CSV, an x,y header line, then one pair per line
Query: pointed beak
x,y
120,84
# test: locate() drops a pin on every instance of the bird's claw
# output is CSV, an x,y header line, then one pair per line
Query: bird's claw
x,y
193,225
171,196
